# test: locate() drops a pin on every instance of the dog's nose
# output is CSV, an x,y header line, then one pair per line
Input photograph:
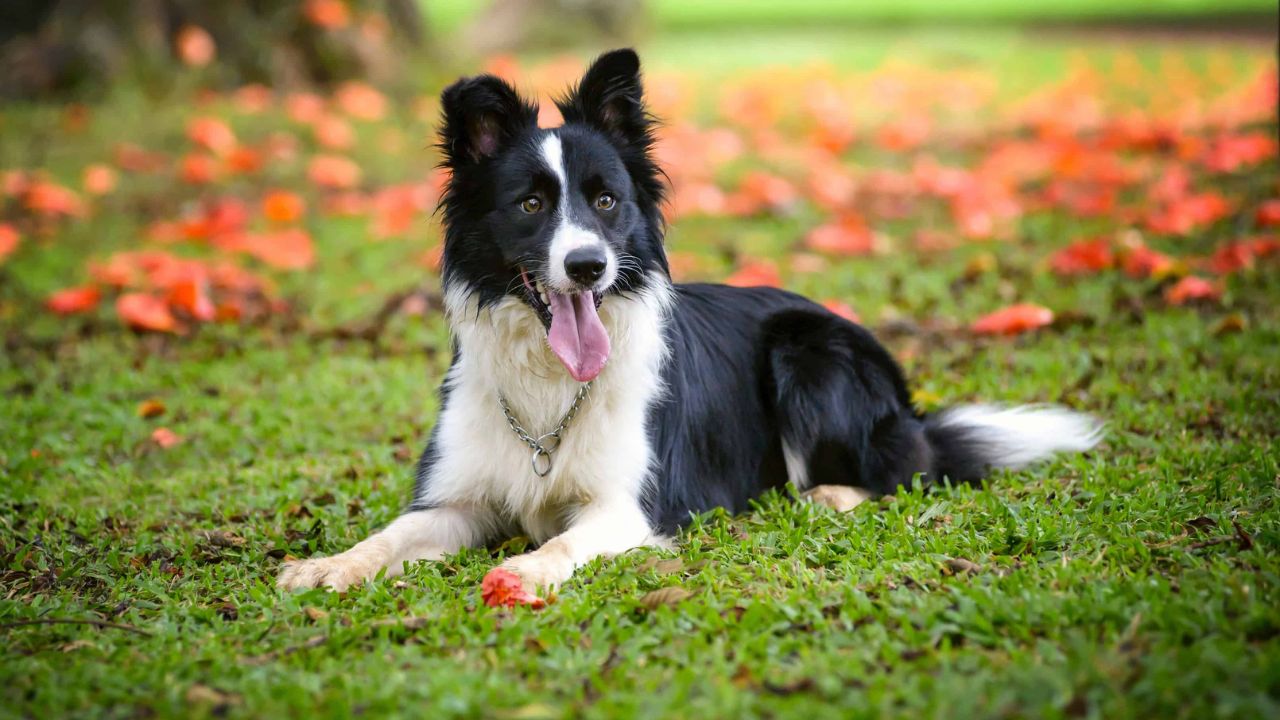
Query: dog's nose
x,y
585,265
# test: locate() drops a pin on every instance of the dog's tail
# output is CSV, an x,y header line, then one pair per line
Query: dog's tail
x,y
967,441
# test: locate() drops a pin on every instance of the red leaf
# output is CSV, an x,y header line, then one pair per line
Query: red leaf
x,y
1231,258
328,14
145,312
502,588
74,300
843,310
99,179
1192,288
1013,320
1268,214
755,273
9,240
847,235
46,198
1142,262
1083,257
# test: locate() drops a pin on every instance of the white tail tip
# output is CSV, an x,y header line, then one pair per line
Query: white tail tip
x,y
1015,437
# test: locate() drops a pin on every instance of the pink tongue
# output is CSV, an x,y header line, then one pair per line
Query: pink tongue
x,y
577,336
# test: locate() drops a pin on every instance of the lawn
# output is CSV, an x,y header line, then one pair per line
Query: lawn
x,y
1140,580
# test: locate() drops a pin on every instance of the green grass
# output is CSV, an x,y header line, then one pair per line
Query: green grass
x,y
1142,580
449,15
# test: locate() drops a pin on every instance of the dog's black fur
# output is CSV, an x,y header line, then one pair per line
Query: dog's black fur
x,y
747,369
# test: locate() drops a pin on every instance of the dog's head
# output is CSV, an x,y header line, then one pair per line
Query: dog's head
x,y
560,218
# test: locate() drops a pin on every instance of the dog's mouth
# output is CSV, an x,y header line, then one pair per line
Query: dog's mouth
x,y
574,331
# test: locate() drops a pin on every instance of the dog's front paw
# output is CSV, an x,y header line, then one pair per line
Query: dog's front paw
x,y
336,573
543,569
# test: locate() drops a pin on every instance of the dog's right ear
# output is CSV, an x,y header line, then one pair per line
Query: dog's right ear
x,y
482,115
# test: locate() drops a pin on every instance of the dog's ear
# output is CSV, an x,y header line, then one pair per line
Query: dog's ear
x,y
610,98
482,115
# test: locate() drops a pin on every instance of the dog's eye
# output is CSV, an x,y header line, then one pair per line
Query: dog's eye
x,y
606,201
531,204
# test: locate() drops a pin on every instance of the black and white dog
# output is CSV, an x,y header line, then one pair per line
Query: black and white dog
x,y
699,396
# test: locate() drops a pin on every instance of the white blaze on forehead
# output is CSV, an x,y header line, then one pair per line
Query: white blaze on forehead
x,y
568,236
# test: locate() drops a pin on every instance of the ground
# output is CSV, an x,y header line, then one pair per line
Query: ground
x,y
1139,580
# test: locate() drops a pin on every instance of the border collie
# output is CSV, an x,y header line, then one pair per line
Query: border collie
x,y
595,406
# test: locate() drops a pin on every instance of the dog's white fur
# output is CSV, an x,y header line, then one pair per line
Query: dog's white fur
x,y
483,481
568,235
1016,437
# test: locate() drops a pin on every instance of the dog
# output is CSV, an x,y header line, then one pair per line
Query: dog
x,y
595,406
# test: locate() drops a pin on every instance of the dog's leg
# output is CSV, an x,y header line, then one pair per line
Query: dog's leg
x,y
416,535
840,498
599,529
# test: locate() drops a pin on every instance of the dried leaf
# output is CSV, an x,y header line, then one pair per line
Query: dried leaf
x,y
316,614
669,596
151,408
1013,320
960,566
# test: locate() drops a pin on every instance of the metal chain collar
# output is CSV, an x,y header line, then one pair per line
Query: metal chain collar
x,y
547,443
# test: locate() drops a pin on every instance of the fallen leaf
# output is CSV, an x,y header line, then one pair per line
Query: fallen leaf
x,y
327,14
1192,288
960,566
151,408
74,300
1083,257
195,46
1013,320
212,133
843,310
165,438
9,240
199,694
669,596
222,538
847,235
99,179
333,171
282,206
316,614
1231,324
755,273
503,588
142,311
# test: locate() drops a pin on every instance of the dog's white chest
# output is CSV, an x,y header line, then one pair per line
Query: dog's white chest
x,y
604,450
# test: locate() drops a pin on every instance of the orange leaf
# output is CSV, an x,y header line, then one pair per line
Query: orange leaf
x,y
195,46
9,240
152,408
198,168
165,438
503,588
1013,320
192,295
333,171
145,312
212,133
334,133
361,101
290,249
843,310
328,14
755,273
74,300
244,161
282,206
99,179
46,198
1083,257
1192,288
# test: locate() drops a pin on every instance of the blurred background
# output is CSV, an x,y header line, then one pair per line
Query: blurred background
x,y
175,164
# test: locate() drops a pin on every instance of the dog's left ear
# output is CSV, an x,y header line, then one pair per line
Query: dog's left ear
x,y
610,98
